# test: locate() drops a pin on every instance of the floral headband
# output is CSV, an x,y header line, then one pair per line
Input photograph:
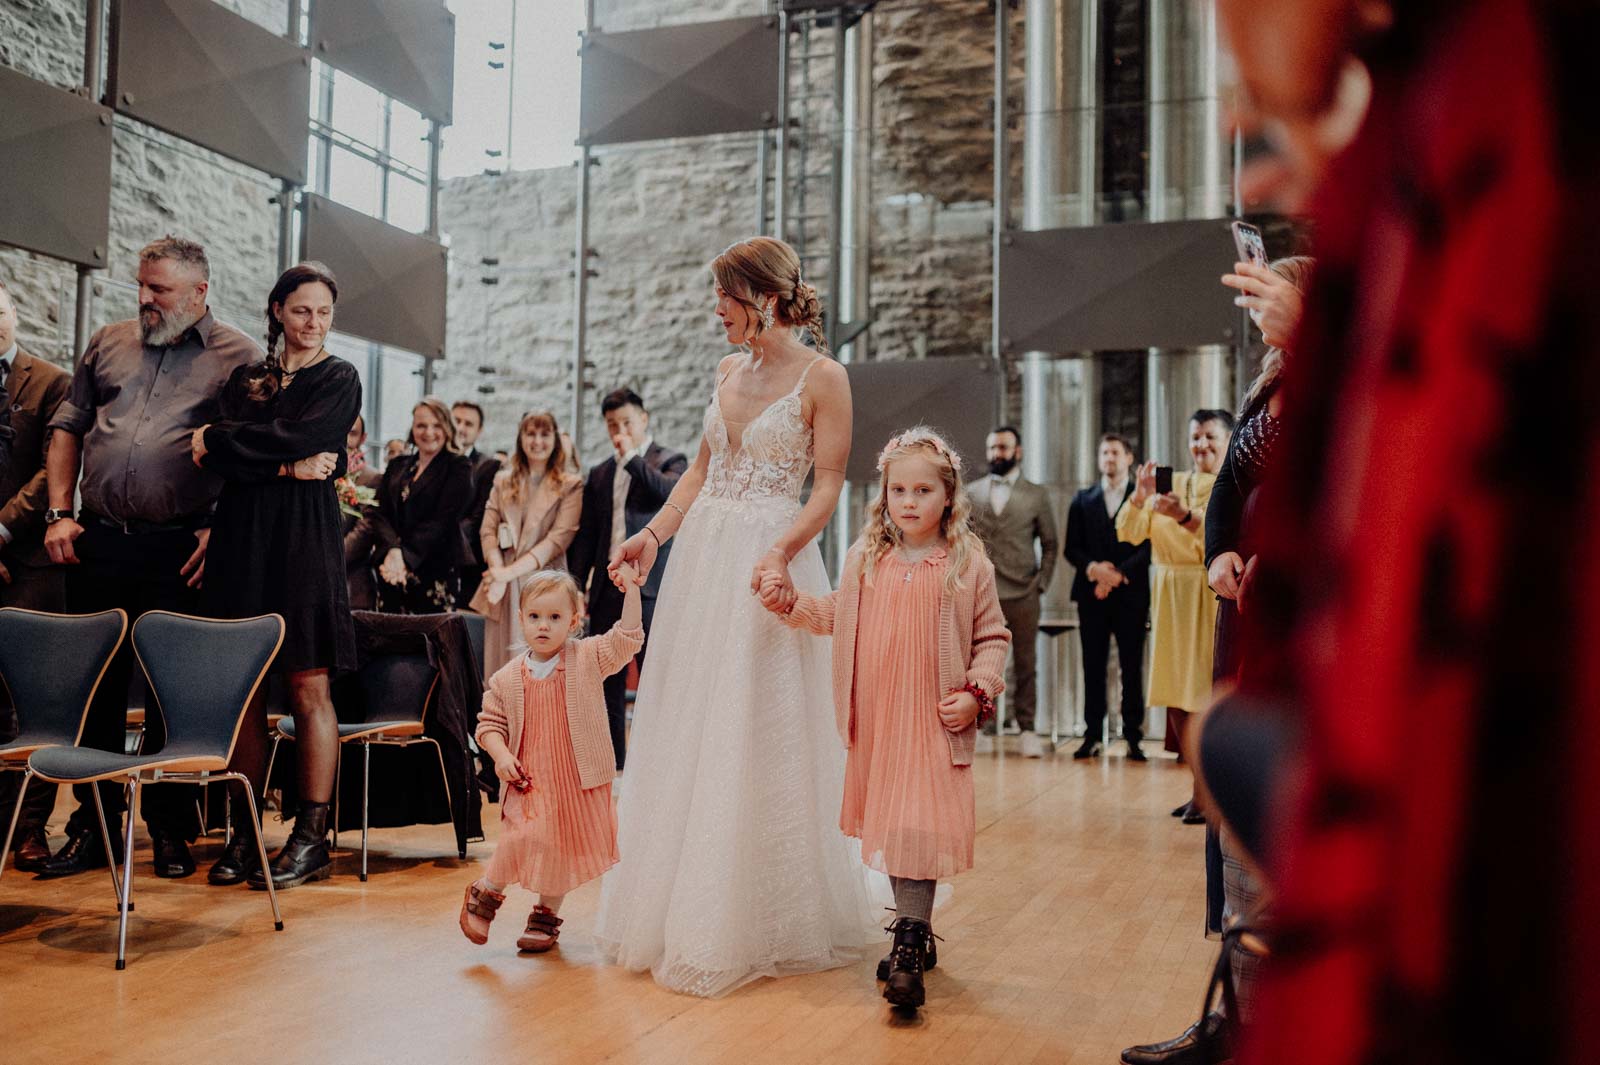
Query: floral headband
x,y
915,436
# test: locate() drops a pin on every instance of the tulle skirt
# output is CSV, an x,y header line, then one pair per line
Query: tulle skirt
x,y
733,866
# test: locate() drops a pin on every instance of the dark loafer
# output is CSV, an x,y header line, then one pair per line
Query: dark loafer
x,y
172,858
81,852
32,853
1203,1043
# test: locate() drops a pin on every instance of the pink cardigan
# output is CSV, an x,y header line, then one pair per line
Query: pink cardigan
x,y
973,639
584,664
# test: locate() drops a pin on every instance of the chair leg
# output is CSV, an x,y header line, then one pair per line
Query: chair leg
x,y
127,870
366,787
338,773
461,850
272,760
16,814
105,841
261,847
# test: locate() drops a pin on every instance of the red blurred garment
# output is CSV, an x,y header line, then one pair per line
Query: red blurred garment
x,y
1442,465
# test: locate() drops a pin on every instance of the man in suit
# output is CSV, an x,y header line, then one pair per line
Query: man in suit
x,y
468,417
1112,590
620,496
1012,516
30,391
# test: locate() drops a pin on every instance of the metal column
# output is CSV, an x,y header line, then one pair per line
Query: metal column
x,y
434,145
837,192
1002,199
93,54
780,195
287,253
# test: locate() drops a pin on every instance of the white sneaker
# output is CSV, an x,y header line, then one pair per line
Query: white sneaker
x,y
984,745
1032,745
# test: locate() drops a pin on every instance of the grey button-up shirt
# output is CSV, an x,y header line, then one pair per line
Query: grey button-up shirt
x,y
134,407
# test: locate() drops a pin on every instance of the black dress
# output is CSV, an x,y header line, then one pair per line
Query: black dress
x,y
422,517
277,543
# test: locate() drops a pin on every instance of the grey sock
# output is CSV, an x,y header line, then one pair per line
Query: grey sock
x,y
914,898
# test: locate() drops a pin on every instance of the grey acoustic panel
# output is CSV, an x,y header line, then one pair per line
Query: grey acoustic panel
x,y
391,282
956,396
1117,287
403,48
679,81
55,170
203,73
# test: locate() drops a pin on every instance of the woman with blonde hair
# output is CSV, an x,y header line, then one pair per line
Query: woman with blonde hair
x,y
733,866
421,501
531,517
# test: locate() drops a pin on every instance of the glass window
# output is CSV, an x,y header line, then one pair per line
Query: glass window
x,y
353,181
357,109
408,203
408,136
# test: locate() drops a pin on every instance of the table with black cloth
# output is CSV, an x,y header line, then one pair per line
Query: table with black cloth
x,y
406,789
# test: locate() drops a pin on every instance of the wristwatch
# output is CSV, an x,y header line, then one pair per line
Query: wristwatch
x,y
53,515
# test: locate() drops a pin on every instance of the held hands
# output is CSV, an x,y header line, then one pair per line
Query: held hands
x,y
1106,577
1276,303
626,576
958,710
393,567
317,467
770,580
638,553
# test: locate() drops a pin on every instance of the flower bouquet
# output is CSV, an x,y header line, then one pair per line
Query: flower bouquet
x,y
353,498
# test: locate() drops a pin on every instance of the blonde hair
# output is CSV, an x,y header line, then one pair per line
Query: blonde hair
x,y
555,470
881,535
1296,269
546,580
439,410
765,266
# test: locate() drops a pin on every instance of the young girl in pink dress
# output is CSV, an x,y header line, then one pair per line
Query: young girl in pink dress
x,y
919,653
544,724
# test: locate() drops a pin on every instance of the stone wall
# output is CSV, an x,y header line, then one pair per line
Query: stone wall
x,y
159,185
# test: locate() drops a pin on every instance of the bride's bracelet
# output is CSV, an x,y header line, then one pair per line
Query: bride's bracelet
x,y
682,514
985,703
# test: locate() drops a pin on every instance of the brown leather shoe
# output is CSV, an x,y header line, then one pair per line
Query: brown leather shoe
x,y
544,928
32,852
478,908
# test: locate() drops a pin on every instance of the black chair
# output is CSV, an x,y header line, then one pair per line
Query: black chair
x,y
398,691
476,632
202,675
52,664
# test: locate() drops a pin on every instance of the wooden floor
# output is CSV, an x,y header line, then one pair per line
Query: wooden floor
x,y
1078,933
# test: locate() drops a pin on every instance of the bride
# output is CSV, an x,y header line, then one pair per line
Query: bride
x,y
733,866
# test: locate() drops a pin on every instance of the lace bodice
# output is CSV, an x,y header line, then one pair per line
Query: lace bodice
x,y
775,450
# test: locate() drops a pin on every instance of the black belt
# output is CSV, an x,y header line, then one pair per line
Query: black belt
x,y
143,528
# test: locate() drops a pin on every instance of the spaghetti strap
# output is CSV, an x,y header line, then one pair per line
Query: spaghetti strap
x,y
800,385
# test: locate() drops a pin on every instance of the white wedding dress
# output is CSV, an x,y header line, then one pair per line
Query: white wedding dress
x,y
733,866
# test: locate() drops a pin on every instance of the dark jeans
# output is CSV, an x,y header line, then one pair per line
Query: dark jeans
x,y
605,615
137,572
1122,616
31,588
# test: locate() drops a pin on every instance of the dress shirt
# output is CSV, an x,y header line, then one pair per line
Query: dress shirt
x,y
1000,489
1114,493
619,493
7,357
134,408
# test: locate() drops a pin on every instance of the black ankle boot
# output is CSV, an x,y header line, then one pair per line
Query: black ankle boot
x,y
305,856
929,960
239,859
904,986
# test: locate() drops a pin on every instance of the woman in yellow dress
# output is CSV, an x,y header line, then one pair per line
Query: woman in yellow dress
x,y
1183,609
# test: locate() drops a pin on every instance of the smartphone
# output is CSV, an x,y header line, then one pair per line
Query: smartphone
x,y
1163,480
1248,242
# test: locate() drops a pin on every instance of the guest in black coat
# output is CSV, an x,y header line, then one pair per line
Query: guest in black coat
x,y
1112,590
419,549
620,496
468,419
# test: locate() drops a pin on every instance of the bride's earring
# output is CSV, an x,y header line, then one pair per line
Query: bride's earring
x,y
766,316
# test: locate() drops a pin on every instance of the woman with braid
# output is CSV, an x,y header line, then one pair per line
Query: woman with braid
x,y
277,547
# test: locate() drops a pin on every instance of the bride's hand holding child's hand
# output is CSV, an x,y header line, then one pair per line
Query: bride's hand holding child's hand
x,y
639,553
624,574
958,710
771,593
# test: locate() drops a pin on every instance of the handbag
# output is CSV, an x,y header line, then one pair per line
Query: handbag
x,y
506,537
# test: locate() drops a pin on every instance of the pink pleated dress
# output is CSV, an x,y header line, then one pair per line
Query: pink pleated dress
x,y
558,835
909,806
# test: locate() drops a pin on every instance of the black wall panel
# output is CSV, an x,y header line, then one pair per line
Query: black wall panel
x,y
403,48
55,171
956,396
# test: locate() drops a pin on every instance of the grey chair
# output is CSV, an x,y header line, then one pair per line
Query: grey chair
x,y
399,692
203,674
51,664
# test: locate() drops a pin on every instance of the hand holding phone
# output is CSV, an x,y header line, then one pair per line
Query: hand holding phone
x,y
1163,480
1250,244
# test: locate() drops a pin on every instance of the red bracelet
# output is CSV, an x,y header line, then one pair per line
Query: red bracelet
x,y
985,703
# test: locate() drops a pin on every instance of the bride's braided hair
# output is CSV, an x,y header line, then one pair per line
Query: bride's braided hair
x,y
753,270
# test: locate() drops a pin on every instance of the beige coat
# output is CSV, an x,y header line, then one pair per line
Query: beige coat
x,y
973,640
543,521
584,665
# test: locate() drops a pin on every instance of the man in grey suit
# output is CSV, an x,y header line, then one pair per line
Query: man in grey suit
x,y
1014,519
